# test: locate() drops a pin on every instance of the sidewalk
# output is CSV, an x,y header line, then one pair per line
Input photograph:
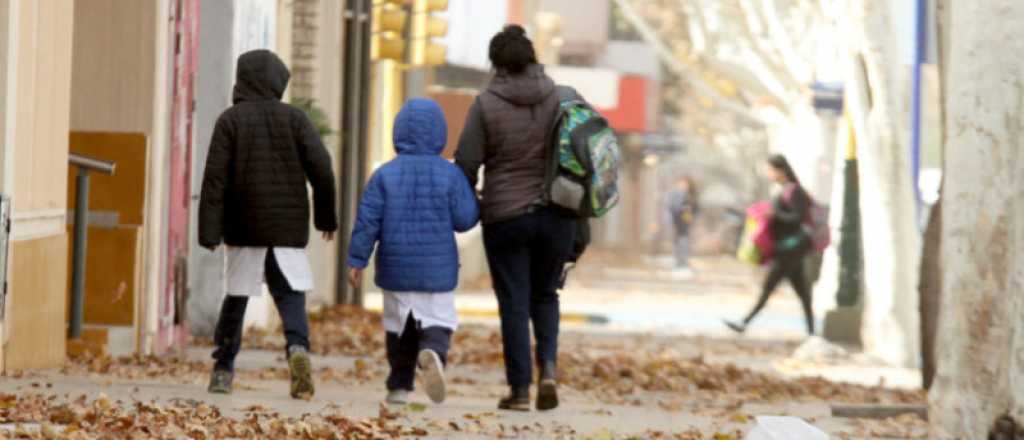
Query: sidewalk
x,y
469,412
643,352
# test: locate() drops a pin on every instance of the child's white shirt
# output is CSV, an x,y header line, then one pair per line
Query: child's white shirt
x,y
245,266
430,309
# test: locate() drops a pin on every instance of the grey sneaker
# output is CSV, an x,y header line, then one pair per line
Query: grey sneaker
x,y
397,397
302,373
220,382
433,375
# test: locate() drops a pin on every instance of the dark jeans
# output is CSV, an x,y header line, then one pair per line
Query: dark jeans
x,y
291,305
791,267
404,350
527,256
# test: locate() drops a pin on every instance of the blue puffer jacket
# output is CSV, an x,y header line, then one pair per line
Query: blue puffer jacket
x,y
412,206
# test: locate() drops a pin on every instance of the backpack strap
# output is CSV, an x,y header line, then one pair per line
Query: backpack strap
x,y
566,94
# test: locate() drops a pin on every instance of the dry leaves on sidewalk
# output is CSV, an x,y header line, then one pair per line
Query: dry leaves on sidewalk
x,y
335,330
43,417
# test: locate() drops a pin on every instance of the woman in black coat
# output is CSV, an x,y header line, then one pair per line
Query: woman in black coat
x,y
790,209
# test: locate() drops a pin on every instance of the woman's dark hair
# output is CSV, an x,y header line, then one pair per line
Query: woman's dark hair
x,y
780,163
511,51
692,184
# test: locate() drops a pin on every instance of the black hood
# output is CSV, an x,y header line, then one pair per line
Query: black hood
x,y
528,88
260,76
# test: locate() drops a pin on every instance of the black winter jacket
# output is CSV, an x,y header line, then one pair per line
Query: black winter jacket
x,y
261,155
790,211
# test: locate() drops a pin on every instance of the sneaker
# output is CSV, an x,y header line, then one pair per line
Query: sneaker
x,y
547,388
683,274
220,382
397,397
517,400
302,373
736,326
433,375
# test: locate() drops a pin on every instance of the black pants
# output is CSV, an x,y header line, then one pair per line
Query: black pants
x,y
291,305
790,267
527,256
404,350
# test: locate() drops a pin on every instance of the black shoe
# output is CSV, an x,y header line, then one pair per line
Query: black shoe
x,y
547,388
517,400
740,328
301,373
220,382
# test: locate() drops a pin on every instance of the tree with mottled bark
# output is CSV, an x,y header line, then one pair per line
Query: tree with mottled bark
x,y
980,347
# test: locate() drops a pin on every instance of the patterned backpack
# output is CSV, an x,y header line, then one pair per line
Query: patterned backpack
x,y
583,166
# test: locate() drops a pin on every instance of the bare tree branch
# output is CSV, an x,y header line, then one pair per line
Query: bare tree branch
x,y
752,28
783,43
703,41
671,60
755,79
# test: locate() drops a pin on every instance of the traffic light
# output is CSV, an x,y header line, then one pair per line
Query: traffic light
x,y
426,27
389,18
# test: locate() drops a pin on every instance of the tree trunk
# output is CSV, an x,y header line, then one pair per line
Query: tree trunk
x,y
931,292
887,197
980,350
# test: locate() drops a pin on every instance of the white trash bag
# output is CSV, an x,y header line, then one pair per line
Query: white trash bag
x,y
785,428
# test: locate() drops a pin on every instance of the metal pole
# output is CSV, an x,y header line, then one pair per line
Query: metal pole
x,y
920,46
362,170
79,257
353,127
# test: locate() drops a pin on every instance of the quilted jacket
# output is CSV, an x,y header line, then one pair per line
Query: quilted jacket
x,y
508,132
262,153
412,207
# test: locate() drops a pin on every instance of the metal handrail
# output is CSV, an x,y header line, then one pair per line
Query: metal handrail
x,y
103,166
85,164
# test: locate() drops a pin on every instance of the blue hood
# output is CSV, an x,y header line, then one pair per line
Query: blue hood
x,y
420,128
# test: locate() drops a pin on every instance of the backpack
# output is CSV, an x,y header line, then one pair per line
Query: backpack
x,y
583,163
816,223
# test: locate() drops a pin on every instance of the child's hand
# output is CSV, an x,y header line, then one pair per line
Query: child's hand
x,y
355,277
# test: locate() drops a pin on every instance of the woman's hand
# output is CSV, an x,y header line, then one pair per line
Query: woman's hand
x,y
355,277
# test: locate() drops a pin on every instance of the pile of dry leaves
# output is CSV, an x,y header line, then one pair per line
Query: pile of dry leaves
x,y
41,417
626,374
613,373
335,330
619,374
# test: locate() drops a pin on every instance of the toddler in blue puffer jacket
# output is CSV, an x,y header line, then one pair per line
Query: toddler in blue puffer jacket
x,y
410,211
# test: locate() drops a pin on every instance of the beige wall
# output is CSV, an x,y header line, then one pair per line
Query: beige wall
x,y
327,76
44,75
5,41
113,65
38,304
36,129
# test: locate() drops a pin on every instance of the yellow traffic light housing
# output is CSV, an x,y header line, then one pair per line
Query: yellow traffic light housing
x,y
389,19
425,27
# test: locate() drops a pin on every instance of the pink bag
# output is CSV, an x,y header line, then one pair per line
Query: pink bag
x,y
762,237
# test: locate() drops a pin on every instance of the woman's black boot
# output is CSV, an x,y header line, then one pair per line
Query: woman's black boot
x,y
547,389
517,400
